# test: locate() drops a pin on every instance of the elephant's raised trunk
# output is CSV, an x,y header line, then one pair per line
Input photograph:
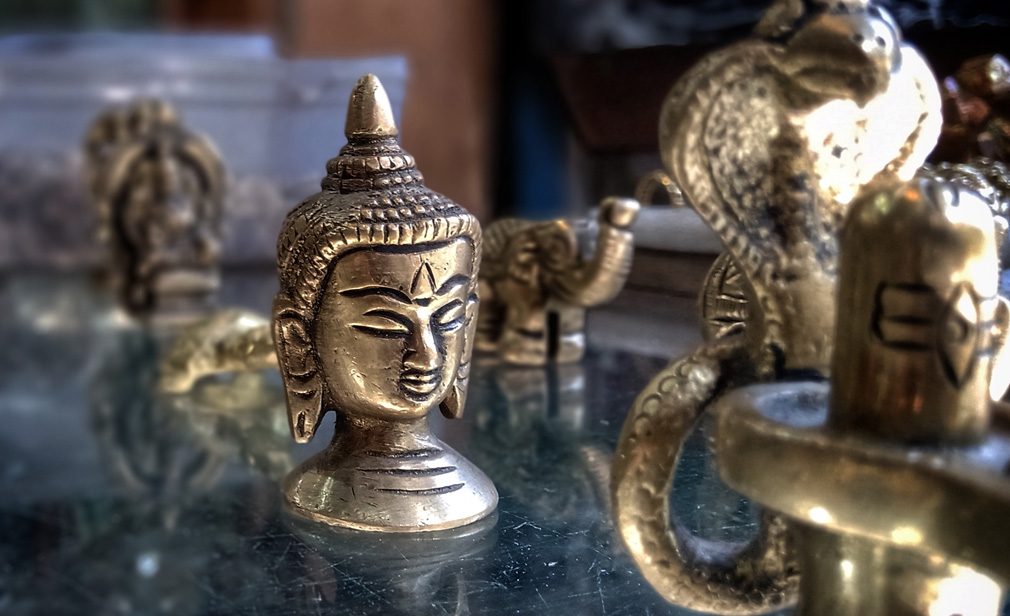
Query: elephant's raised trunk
x,y
601,278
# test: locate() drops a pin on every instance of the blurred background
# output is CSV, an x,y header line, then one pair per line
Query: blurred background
x,y
121,498
530,108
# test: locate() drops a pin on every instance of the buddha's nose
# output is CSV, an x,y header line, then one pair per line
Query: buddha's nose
x,y
424,353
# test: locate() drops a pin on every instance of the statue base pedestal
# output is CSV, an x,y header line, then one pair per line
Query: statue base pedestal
x,y
418,484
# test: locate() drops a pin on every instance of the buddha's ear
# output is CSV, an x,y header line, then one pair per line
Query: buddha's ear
x,y
303,386
452,406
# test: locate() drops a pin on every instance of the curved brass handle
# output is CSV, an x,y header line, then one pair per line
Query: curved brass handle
x,y
755,578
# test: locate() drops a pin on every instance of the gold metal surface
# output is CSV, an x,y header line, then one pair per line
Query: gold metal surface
x,y
770,140
725,300
989,179
159,190
920,286
536,282
375,321
892,475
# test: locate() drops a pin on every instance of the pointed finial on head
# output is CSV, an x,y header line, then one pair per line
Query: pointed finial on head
x,y
369,113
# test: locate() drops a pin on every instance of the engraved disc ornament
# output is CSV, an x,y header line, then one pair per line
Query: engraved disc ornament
x,y
723,300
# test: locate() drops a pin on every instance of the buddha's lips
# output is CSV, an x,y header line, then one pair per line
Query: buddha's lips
x,y
420,382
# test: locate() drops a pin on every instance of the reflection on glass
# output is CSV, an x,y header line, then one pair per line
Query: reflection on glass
x,y
535,419
400,572
180,498
116,497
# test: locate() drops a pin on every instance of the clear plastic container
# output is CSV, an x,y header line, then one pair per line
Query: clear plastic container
x,y
275,122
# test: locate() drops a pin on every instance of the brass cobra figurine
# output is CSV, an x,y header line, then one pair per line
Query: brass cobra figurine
x,y
770,140
893,483
536,284
375,321
159,190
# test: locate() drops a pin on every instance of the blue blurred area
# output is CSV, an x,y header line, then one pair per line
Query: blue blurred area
x,y
539,142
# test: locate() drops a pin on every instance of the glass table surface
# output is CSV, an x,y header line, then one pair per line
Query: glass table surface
x,y
117,498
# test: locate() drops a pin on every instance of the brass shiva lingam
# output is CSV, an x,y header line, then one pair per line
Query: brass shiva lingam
x,y
159,190
893,483
375,321
770,140
536,282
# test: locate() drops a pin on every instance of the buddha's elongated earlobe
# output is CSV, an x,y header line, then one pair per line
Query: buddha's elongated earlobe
x,y
452,406
299,370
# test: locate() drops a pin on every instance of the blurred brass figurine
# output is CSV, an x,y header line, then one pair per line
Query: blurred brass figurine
x,y
375,320
976,111
892,480
159,190
536,282
770,140
230,340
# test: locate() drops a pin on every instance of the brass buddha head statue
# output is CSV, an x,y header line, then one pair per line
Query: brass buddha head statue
x,y
375,320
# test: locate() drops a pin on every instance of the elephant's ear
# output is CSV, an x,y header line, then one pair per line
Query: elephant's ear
x,y
303,386
557,246
455,400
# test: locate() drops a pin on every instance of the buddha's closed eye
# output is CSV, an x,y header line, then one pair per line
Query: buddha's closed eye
x,y
386,323
450,317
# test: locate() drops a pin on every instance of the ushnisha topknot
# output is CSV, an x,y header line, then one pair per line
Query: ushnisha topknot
x,y
372,195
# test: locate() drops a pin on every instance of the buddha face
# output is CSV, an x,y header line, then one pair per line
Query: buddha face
x,y
390,329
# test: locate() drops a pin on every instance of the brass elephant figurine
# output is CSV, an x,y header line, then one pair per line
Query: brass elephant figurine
x,y
538,278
